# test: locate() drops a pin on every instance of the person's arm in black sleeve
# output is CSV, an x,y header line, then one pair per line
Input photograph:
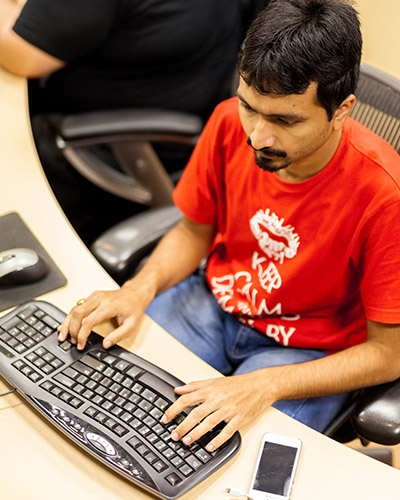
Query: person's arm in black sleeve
x,y
43,36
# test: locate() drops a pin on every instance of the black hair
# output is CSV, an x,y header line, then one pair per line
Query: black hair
x,y
292,43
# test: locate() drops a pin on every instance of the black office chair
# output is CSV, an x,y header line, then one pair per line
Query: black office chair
x,y
372,414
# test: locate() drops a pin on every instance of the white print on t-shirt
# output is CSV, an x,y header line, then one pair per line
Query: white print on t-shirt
x,y
275,239
223,289
268,275
238,293
275,331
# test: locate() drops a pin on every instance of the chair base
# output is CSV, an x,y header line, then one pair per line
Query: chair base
x,y
383,455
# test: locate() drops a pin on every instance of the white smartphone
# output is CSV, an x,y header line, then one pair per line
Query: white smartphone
x,y
275,468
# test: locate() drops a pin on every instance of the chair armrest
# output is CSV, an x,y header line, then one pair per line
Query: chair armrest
x,y
114,150
129,121
376,416
121,249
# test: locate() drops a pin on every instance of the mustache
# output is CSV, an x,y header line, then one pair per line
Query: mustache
x,y
268,151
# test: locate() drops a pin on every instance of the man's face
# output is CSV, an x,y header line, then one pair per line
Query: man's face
x,y
290,134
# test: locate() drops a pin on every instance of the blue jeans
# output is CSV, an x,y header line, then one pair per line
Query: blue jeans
x,y
190,313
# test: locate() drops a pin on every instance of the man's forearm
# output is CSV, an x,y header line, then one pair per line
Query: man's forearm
x,y
177,255
9,11
364,365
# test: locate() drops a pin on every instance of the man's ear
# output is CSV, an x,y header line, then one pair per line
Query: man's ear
x,y
343,111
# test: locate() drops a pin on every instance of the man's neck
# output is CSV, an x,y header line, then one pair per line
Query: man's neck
x,y
305,169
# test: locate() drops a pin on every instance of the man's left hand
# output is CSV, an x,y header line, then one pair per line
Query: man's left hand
x,y
235,400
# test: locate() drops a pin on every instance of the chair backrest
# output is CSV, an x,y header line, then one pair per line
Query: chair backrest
x,y
378,104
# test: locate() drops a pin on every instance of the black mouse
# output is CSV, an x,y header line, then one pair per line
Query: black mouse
x,y
19,266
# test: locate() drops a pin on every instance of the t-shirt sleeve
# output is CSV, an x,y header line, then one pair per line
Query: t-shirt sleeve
x,y
197,192
379,267
66,29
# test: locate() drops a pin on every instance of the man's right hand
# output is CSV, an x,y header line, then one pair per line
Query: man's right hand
x,y
125,306
188,240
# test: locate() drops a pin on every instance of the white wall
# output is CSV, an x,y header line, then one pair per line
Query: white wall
x,y
380,21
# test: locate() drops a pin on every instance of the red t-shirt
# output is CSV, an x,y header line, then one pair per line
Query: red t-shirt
x,y
303,262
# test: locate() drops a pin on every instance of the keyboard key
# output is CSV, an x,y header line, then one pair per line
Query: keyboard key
x,y
134,442
160,445
194,462
65,346
47,385
203,455
168,453
186,470
65,396
149,395
156,413
101,417
116,410
142,450
75,402
91,411
139,413
26,370
51,322
39,362
109,372
152,438
118,377
47,369
137,388
110,423
151,457
88,394
98,400
162,404
30,343
109,359
126,417
120,431
57,363
82,368
35,377
177,461
93,363
144,430
122,365
8,325
40,351
64,380
56,391
20,348
26,313
149,421
71,373
79,388
146,406
134,371
173,479
48,357
159,466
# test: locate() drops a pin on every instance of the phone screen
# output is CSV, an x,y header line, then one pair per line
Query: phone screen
x,y
275,469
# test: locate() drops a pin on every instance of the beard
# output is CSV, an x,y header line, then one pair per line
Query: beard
x,y
277,161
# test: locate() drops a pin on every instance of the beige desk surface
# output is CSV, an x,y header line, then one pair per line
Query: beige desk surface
x,y
38,462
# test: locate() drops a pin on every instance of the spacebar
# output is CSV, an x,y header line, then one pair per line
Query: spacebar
x,y
154,382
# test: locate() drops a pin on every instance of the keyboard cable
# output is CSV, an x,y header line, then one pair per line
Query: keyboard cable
x,y
8,392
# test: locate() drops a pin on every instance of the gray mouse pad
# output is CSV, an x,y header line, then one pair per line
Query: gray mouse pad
x,y
14,233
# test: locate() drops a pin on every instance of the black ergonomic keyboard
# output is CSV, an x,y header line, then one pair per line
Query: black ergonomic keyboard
x,y
108,401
